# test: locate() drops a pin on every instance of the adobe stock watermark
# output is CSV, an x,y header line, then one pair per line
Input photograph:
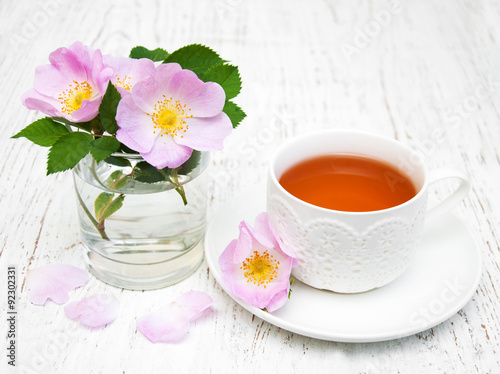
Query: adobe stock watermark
x,y
378,365
42,359
252,147
364,37
455,117
34,22
259,143
436,307
224,7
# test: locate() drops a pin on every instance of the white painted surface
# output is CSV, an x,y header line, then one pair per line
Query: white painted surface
x,y
426,73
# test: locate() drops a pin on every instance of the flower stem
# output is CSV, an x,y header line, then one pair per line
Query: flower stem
x,y
100,225
179,188
175,181
89,215
94,173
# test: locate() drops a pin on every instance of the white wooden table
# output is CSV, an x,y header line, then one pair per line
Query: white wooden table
x,y
424,72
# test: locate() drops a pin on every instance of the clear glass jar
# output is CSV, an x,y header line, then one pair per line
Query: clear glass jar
x,y
153,240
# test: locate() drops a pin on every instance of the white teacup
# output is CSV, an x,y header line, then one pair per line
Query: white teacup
x,y
352,252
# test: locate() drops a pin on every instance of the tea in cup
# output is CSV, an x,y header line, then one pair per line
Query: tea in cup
x,y
352,206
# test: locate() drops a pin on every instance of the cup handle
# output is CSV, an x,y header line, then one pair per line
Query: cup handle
x,y
457,196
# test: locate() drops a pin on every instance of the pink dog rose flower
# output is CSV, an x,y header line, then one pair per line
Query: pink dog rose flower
x,y
72,86
168,115
128,71
256,267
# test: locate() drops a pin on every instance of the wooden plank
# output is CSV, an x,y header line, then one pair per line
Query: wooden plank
x,y
426,74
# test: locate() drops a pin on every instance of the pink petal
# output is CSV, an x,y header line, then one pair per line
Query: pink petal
x,y
99,73
257,235
278,300
169,326
71,65
244,244
135,127
87,111
232,275
129,71
167,153
101,79
95,311
227,261
259,296
54,282
204,99
33,100
260,238
264,226
147,92
88,56
206,134
49,80
77,63
194,304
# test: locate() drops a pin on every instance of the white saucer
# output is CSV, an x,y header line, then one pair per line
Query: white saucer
x,y
441,280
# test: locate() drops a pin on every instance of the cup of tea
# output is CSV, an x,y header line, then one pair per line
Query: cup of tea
x,y
352,206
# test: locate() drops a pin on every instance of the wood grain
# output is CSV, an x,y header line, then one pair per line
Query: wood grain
x,y
427,75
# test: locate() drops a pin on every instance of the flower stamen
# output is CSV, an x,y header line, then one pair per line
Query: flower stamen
x,y
72,98
123,82
260,268
169,117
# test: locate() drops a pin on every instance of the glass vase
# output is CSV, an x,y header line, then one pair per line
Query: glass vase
x,y
153,236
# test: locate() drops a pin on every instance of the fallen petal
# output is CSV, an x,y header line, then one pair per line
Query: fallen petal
x,y
54,282
194,303
95,311
169,326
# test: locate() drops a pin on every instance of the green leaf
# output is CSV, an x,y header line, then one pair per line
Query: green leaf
x,y
147,173
195,57
227,76
43,132
114,176
191,163
158,54
105,205
107,109
126,149
116,180
102,148
234,112
86,126
118,161
67,151
100,204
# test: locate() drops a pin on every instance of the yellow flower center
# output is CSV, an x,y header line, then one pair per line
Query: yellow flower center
x,y
169,117
260,268
123,82
71,98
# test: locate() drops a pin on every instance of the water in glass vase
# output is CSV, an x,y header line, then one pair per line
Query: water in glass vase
x,y
152,239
